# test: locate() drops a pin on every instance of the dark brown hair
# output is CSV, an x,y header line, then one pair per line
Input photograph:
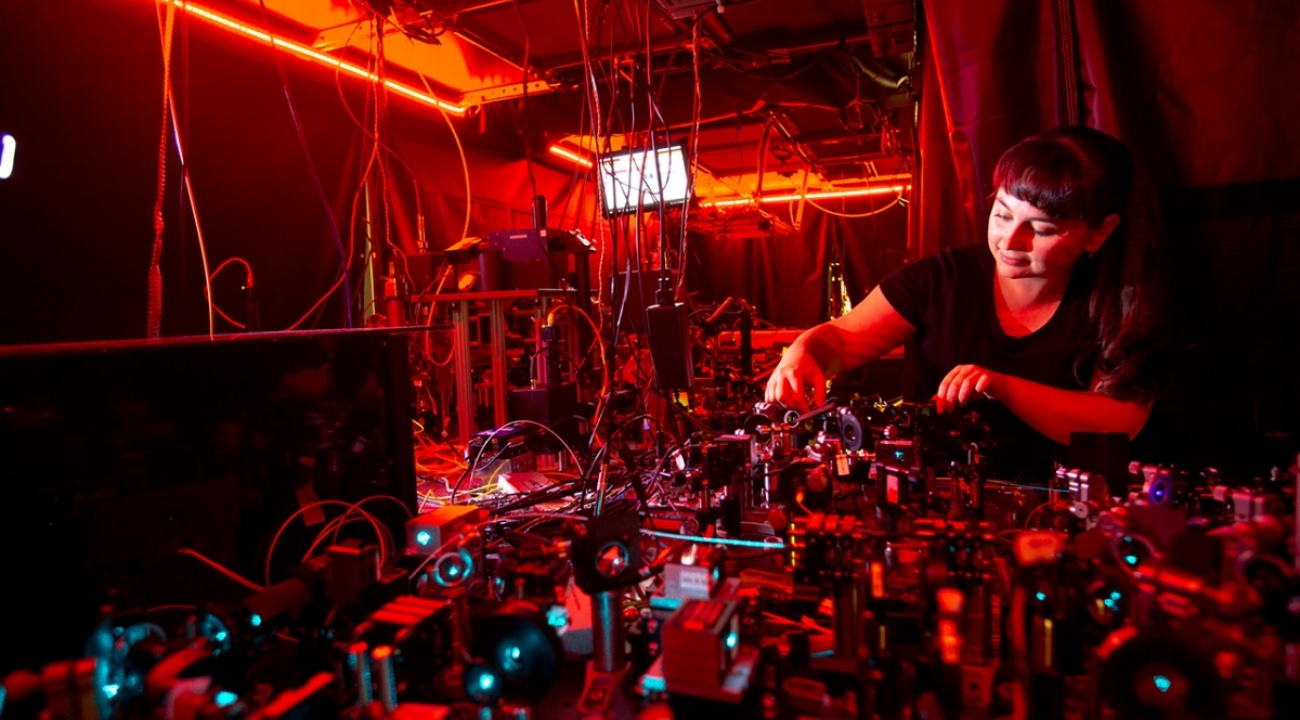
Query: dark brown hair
x,y
1078,173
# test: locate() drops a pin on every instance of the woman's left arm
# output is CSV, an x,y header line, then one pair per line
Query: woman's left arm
x,y
1051,411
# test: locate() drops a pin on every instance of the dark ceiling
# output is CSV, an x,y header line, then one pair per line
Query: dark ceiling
x,y
824,86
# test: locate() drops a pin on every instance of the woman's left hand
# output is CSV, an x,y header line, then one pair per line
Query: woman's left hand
x,y
964,381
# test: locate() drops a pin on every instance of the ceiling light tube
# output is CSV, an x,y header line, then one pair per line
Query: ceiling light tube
x,y
819,195
308,53
8,147
571,156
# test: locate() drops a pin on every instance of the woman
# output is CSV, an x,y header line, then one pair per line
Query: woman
x,y
1049,329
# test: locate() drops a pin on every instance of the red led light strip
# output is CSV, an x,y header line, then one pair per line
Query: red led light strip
x,y
308,53
571,156
823,194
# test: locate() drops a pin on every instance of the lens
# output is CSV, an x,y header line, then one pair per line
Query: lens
x,y
612,559
512,661
1161,686
1159,491
481,684
1132,551
453,569
851,432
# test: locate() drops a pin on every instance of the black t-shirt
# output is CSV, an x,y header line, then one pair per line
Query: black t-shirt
x,y
949,299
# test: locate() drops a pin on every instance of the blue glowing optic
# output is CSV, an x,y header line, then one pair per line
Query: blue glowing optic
x,y
1115,595
1131,559
255,620
453,571
1111,604
1042,596
110,691
423,537
557,617
1163,683
486,681
513,652
732,639
221,636
225,698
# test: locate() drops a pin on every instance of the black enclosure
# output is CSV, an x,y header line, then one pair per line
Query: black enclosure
x,y
112,457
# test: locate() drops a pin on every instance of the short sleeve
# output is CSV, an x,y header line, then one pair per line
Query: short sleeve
x,y
914,288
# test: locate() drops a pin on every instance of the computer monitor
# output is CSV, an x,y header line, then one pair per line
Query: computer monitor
x,y
638,180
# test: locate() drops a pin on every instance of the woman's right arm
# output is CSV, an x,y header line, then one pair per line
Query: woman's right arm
x,y
867,332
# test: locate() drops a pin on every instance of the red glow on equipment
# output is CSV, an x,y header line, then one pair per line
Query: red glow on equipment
x,y
949,642
950,601
308,53
1038,547
950,604
878,579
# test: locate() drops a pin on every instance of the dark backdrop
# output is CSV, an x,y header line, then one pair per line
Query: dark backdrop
x,y
82,93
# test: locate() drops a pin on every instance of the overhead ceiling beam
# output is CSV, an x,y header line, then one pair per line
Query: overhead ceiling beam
x,y
497,93
778,122
453,8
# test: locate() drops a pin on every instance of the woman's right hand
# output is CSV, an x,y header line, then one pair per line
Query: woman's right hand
x,y
794,376
868,331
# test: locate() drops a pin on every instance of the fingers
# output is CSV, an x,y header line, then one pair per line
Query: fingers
x,y
770,392
783,387
789,386
794,397
963,393
954,387
942,402
960,384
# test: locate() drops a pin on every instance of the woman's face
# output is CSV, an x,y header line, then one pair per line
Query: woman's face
x,y
1026,243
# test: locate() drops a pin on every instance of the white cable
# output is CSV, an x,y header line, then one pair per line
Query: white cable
x,y
198,227
856,215
221,569
189,191
464,162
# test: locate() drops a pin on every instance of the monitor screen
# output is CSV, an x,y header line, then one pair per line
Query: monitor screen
x,y
638,179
